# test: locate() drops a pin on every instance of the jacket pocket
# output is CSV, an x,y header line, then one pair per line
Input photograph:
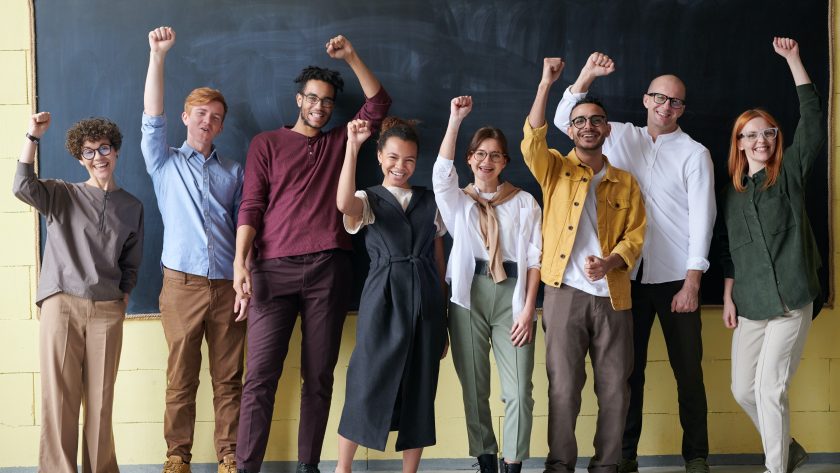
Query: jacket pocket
x,y
775,214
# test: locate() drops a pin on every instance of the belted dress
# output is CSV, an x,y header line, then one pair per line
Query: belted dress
x,y
401,328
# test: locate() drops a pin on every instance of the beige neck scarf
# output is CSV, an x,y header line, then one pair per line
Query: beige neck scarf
x,y
489,225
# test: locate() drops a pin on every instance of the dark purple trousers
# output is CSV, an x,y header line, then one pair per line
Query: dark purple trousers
x,y
315,286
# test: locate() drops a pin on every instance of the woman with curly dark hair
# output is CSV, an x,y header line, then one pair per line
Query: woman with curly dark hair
x,y
93,250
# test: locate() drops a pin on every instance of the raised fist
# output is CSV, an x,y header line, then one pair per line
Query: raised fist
x,y
161,39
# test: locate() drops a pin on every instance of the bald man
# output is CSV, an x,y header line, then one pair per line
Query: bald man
x,y
677,181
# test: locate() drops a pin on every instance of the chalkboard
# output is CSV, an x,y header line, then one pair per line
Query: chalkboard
x,y
92,58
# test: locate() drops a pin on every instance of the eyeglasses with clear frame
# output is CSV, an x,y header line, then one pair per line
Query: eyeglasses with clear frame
x,y
313,99
594,120
495,156
662,98
103,150
769,134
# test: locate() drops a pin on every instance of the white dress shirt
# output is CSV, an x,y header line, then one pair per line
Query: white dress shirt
x,y
519,231
677,181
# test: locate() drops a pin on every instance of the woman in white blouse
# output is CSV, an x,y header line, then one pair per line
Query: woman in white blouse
x,y
494,273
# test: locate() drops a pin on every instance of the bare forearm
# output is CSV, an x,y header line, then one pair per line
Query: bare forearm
x,y
153,92
536,118
447,146
692,279
27,153
797,69
583,83
728,285
615,261
245,235
532,284
345,198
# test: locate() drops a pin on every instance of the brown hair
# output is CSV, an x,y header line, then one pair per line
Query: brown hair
x,y
92,129
203,96
398,128
738,165
487,133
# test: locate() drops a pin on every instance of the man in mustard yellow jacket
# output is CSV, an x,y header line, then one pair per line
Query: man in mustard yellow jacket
x,y
593,230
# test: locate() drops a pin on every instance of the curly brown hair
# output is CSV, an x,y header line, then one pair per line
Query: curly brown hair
x,y
92,129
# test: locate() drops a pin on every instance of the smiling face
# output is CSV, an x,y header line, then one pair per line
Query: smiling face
x,y
760,151
397,159
662,117
589,137
204,123
101,168
317,115
487,171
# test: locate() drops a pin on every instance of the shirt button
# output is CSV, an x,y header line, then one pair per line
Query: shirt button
x,y
584,179
562,256
576,204
568,174
571,227
556,283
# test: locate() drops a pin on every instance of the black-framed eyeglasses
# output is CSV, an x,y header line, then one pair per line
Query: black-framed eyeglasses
x,y
594,120
769,134
662,98
495,156
326,102
103,150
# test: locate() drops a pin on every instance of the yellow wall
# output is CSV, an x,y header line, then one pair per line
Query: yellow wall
x,y
815,397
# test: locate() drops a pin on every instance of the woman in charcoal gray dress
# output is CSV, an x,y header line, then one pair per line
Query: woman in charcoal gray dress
x,y
401,328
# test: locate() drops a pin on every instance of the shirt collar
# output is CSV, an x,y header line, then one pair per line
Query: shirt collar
x,y
189,152
610,173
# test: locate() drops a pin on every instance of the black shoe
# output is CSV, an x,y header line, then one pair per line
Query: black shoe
x,y
796,456
487,463
307,468
511,467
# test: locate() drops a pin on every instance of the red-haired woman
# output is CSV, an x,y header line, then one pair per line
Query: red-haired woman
x,y
770,261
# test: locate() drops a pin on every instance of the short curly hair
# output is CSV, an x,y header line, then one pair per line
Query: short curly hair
x,y
92,129
319,73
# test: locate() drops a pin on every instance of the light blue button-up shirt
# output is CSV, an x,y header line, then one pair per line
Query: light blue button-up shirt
x,y
198,199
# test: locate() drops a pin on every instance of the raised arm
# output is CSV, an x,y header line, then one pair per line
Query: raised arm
x,y
597,65
811,134
459,108
789,49
27,187
357,132
552,68
161,40
341,48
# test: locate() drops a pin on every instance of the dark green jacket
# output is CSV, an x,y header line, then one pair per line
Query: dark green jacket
x,y
767,244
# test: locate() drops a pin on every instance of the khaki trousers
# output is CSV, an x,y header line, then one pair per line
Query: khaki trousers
x,y
192,308
472,334
765,355
80,342
576,323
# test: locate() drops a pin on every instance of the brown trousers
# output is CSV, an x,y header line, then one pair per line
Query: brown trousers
x,y
192,308
576,322
80,342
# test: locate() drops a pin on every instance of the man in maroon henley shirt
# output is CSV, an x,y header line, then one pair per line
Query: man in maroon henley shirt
x,y
301,261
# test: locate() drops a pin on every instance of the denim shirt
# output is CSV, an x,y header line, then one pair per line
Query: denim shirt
x,y
198,200
766,240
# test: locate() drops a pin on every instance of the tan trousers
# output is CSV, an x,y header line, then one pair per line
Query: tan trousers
x,y
576,323
80,342
192,308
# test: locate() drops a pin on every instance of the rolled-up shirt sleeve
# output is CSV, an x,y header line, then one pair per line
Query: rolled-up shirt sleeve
x,y
153,142
700,185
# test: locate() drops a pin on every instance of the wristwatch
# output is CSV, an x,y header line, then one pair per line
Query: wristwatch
x,y
33,139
